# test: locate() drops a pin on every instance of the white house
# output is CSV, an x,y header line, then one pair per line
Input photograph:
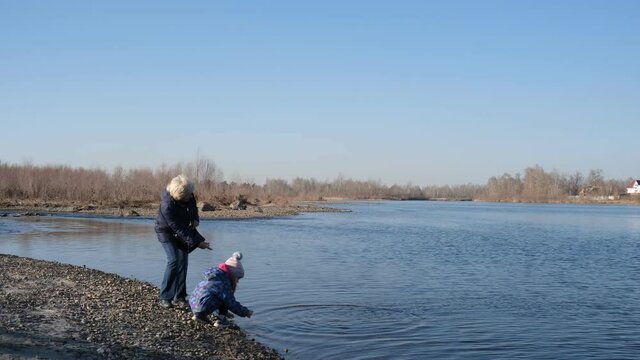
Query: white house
x,y
633,187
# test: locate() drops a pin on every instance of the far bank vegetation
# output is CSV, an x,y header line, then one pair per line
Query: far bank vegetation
x,y
65,184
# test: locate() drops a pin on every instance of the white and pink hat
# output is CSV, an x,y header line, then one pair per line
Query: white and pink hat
x,y
234,266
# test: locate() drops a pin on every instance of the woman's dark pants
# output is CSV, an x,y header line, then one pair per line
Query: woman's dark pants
x,y
174,283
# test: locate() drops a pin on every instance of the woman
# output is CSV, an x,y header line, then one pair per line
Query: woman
x,y
176,230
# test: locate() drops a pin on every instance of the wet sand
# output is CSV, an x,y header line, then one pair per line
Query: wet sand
x,y
57,311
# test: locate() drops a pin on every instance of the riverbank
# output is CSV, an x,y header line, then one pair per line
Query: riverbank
x,y
206,211
57,311
251,211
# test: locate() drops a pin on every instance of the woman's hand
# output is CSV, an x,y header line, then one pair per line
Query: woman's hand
x,y
204,245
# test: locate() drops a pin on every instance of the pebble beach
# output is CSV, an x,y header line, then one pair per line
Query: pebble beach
x,y
57,311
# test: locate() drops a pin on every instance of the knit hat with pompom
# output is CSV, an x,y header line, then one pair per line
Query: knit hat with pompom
x,y
235,266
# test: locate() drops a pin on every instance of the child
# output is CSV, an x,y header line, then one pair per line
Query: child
x,y
216,291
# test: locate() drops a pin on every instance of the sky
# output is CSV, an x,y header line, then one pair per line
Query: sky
x,y
421,92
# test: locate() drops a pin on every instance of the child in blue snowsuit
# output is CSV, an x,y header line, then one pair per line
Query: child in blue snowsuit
x,y
216,292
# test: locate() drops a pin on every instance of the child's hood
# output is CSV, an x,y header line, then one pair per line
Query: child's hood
x,y
213,273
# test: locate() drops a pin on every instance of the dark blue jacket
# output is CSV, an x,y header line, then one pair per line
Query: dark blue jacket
x,y
176,222
214,293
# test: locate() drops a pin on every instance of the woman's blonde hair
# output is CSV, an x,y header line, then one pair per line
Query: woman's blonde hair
x,y
180,188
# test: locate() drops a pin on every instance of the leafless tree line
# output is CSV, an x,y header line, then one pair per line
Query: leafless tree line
x,y
142,185
69,184
538,185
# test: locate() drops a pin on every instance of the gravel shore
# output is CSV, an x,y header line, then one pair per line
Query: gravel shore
x,y
57,311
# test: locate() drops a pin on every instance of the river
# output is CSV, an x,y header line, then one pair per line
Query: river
x,y
402,280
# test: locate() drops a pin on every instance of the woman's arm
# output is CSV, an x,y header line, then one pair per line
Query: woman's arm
x,y
182,228
194,210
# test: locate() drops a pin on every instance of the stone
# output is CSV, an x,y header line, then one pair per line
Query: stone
x,y
205,206
239,204
132,213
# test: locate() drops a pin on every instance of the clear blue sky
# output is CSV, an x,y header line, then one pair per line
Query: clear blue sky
x,y
426,92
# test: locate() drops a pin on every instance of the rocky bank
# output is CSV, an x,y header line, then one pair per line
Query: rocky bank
x,y
57,311
206,210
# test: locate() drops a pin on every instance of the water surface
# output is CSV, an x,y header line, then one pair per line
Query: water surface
x,y
410,280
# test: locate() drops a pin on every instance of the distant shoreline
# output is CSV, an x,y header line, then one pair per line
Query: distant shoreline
x,y
54,310
149,210
36,208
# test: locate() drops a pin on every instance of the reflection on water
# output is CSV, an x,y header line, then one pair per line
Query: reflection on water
x,y
70,227
400,279
112,245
